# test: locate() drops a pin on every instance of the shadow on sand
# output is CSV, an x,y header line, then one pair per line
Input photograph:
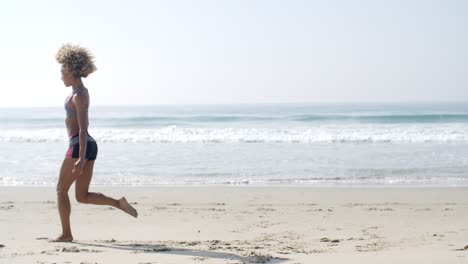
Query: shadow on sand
x,y
161,248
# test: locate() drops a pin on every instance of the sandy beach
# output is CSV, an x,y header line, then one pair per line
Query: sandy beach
x,y
241,224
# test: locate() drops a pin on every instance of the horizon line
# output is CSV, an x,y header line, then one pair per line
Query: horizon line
x,y
253,103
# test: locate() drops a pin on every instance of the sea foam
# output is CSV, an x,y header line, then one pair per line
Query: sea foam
x,y
318,134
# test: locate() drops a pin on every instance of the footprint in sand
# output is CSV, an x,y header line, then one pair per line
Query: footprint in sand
x,y
71,249
216,209
158,208
258,257
325,239
8,207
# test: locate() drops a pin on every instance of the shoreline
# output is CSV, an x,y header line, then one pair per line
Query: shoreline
x,y
261,185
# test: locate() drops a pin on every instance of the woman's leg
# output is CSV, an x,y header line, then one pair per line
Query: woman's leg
x,y
66,179
84,196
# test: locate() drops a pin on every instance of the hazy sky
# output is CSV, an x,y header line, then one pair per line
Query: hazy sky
x,y
170,52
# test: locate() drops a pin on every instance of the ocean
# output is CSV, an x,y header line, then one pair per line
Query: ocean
x,y
247,144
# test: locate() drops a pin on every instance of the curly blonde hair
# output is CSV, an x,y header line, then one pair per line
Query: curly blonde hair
x,y
76,60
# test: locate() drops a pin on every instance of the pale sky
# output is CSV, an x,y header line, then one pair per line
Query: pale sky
x,y
252,51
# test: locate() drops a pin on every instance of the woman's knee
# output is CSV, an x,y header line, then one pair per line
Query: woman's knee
x,y
81,197
61,191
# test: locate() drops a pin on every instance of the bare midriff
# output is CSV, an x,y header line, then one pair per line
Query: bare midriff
x,y
72,126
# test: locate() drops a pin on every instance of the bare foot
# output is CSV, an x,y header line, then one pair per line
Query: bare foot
x,y
63,238
126,207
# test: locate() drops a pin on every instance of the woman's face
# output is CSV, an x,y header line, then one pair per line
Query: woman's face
x,y
67,78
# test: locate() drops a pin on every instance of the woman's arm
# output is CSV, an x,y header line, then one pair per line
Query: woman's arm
x,y
80,102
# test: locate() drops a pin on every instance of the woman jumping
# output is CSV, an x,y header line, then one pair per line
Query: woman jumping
x,y
78,164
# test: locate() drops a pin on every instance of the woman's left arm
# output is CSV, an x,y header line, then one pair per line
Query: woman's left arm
x,y
82,115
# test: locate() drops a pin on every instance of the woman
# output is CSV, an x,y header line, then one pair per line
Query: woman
x,y
78,164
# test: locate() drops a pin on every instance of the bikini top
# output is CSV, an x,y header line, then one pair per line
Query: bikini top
x,y
70,108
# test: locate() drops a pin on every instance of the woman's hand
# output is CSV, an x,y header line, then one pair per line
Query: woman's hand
x,y
79,165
